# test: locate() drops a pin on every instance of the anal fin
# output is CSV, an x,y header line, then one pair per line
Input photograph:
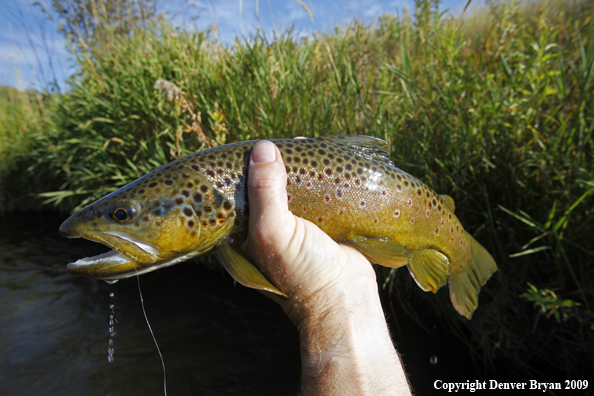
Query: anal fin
x,y
382,251
241,269
429,268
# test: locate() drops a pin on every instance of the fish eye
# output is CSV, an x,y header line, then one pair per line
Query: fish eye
x,y
121,213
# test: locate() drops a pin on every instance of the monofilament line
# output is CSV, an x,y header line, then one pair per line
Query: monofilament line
x,y
153,335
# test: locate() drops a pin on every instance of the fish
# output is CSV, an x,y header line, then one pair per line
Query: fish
x,y
345,184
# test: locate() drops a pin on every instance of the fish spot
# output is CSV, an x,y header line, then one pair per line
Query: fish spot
x,y
204,223
439,208
190,185
219,184
442,221
419,193
152,185
320,177
297,180
308,185
198,197
327,198
461,243
141,191
227,206
427,213
302,171
409,202
289,197
359,171
398,187
337,181
157,212
295,169
199,213
347,185
169,182
412,220
297,159
326,161
222,218
210,173
406,183
434,202
305,161
212,222
320,219
229,165
384,193
452,239
339,169
331,156
339,194
185,176
450,217
287,169
203,188
436,231
314,164
146,218
195,167
159,223
179,201
396,213
188,211
362,204
304,209
348,167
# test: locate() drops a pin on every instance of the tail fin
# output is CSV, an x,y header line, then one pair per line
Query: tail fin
x,y
465,285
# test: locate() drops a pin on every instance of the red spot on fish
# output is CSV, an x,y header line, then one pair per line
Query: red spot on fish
x,y
412,220
304,209
362,204
409,202
341,212
319,219
327,198
308,185
399,187
452,239
346,185
289,197
427,213
460,243
436,231
384,193
396,213
442,221
375,221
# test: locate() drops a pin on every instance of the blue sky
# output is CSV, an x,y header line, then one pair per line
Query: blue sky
x,y
32,52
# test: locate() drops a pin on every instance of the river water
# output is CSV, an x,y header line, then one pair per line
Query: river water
x,y
58,332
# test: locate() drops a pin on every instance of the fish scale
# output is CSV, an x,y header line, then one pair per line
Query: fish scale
x,y
345,184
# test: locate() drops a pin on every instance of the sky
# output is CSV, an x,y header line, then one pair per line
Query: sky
x,y
33,54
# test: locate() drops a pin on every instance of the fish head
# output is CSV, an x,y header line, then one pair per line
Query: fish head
x,y
151,223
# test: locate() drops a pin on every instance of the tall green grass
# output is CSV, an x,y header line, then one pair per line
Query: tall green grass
x,y
494,109
23,116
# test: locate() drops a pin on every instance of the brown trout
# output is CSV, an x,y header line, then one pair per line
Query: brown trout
x,y
345,184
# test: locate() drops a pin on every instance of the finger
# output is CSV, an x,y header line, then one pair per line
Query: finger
x,y
269,219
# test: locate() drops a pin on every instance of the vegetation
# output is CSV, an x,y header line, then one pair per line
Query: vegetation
x,y
495,109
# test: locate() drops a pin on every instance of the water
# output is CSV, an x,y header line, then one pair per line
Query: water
x,y
67,335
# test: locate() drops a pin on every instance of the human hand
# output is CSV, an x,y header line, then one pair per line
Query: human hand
x,y
332,291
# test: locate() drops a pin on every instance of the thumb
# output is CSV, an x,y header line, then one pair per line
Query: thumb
x,y
270,221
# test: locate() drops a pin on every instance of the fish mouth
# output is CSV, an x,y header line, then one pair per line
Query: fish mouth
x,y
130,256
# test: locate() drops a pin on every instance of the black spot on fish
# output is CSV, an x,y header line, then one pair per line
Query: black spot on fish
x,y
195,167
198,197
322,152
210,173
169,182
314,164
152,185
227,205
188,212
326,161
305,161
179,201
190,223
141,191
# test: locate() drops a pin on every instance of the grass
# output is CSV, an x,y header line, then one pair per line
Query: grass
x,y
494,109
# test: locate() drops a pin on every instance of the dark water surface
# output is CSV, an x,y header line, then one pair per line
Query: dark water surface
x,y
216,338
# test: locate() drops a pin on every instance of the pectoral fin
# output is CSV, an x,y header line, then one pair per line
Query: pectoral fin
x,y
241,269
429,268
382,251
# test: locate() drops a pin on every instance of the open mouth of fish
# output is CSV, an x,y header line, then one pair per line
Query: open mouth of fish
x,y
130,256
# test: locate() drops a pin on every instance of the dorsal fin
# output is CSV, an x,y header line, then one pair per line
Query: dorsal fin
x,y
368,146
449,202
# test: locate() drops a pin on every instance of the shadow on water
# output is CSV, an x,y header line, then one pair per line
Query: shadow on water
x,y
216,338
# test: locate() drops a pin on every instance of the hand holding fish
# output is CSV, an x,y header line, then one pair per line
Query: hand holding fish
x,y
332,291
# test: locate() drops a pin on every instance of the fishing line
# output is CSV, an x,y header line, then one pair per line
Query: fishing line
x,y
153,335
